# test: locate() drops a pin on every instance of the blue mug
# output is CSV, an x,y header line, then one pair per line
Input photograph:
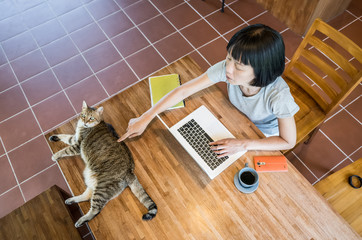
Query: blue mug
x,y
246,180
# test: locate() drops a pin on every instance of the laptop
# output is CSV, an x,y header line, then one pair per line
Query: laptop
x,y
195,132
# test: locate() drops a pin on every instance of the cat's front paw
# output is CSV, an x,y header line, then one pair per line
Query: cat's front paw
x,y
55,158
69,201
80,222
54,138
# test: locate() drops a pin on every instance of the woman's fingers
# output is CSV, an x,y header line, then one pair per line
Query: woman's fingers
x,y
129,131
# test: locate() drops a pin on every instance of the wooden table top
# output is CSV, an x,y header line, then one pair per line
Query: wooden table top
x,y
191,206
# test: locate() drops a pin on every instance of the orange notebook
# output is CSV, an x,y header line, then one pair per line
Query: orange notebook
x,y
270,164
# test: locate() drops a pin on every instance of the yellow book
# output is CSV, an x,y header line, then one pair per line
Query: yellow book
x,y
161,85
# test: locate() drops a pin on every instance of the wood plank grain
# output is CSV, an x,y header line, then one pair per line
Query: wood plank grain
x,y
190,205
346,200
43,217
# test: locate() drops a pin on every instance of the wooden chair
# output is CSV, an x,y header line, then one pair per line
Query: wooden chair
x,y
324,70
222,5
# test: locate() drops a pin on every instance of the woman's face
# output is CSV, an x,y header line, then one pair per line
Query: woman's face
x,y
237,73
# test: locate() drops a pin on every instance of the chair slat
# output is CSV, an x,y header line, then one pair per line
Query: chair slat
x,y
327,69
317,79
306,87
339,38
335,56
346,91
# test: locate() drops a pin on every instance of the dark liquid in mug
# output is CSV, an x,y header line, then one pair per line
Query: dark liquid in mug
x,y
247,178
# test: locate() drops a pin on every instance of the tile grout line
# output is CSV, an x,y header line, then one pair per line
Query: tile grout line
x,y
22,91
204,18
344,108
10,189
67,33
300,160
184,27
340,29
80,53
351,13
109,39
51,69
176,30
12,169
260,14
149,41
345,159
41,134
39,172
346,156
333,143
352,116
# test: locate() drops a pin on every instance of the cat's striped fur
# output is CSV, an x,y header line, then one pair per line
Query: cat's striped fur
x,y
108,164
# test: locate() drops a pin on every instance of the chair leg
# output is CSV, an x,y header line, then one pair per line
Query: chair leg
x,y
222,6
311,135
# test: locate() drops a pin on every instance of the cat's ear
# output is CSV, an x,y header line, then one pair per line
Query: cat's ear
x,y
85,106
100,110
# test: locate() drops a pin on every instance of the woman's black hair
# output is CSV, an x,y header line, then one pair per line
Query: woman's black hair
x,y
261,47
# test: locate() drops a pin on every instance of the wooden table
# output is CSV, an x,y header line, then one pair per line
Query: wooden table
x,y
346,200
43,217
191,206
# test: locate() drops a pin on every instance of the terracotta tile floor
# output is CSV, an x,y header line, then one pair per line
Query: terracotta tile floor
x,y
55,53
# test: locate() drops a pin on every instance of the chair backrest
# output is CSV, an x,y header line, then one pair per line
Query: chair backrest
x,y
327,65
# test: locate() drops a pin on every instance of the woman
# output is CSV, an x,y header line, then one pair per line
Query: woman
x,y
252,70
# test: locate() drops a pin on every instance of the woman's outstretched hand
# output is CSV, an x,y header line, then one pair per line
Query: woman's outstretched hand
x,y
136,126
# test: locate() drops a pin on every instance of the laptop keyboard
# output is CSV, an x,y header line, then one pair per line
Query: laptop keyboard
x,y
199,141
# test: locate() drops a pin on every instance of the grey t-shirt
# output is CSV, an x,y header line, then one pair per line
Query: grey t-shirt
x,y
264,108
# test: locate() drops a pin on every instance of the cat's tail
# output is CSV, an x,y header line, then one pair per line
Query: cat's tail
x,y
143,197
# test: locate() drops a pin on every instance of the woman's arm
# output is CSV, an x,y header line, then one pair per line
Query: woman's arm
x,y
285,140
136,126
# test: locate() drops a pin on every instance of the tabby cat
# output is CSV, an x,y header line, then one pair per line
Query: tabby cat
x,y
108,164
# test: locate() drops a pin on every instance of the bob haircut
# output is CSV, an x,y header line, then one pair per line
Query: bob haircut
x,y
261,47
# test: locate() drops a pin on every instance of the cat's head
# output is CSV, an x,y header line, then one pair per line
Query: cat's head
x,y
89,116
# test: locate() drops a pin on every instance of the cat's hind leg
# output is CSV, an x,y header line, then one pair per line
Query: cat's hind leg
x,y
143,197
80,198
89,216
101,195
66,138
66,152
98,201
